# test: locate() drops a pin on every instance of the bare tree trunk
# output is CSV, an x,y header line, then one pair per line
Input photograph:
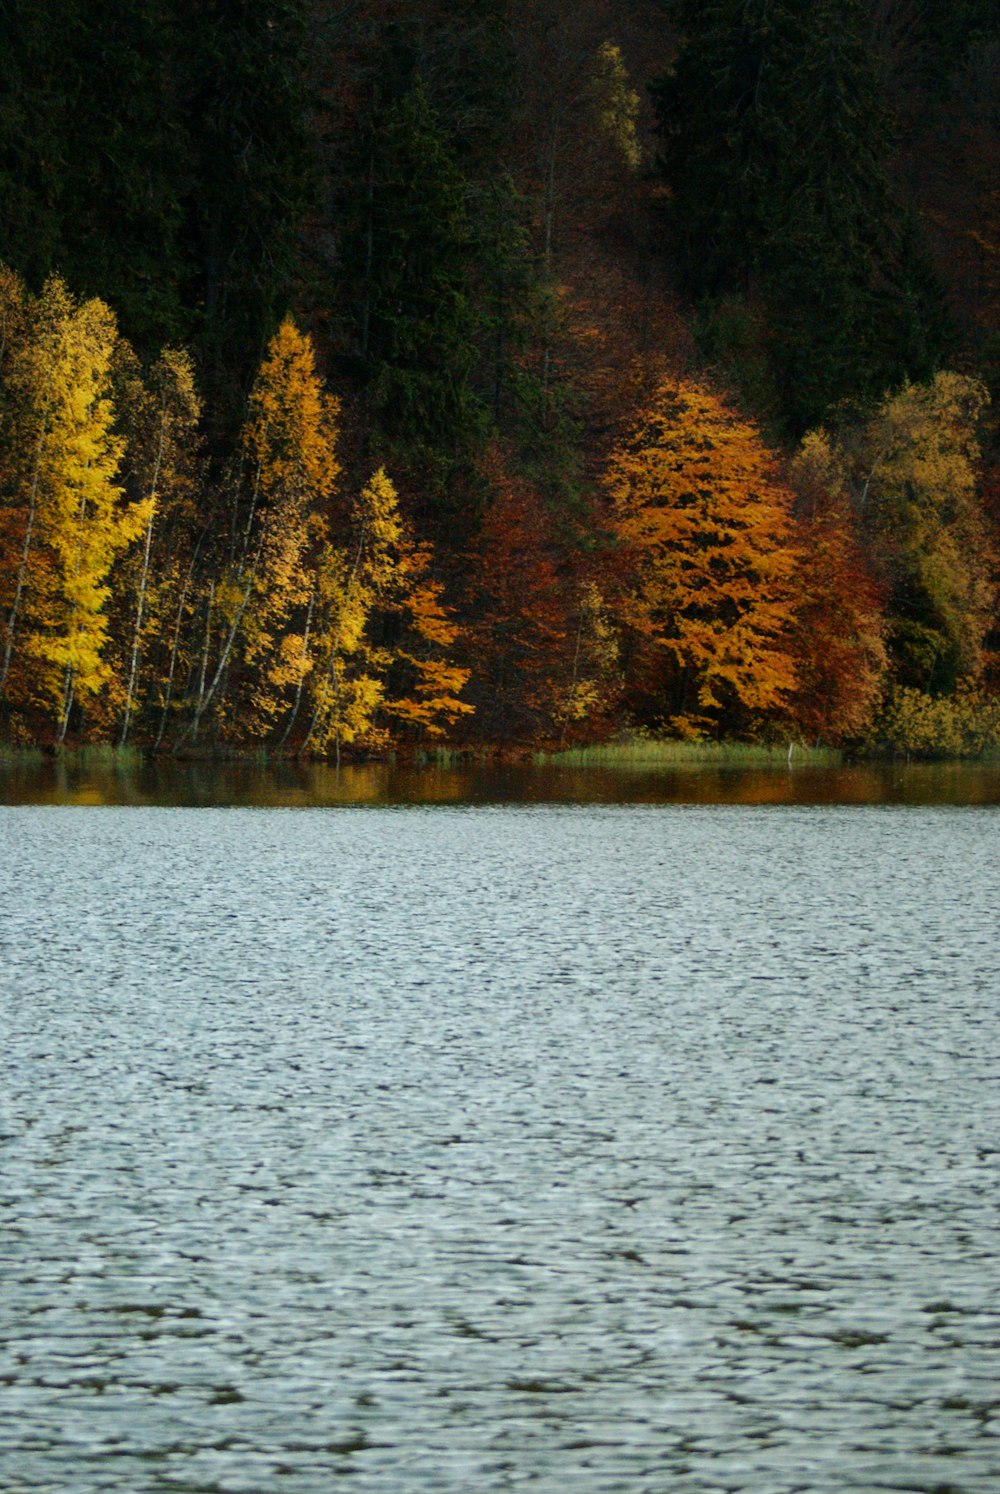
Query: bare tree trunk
x,y
204,652
207,696
548,214
134,662
369,256
254,495
70,678
317,713
173,652
549,197
574,675
140,608
66,707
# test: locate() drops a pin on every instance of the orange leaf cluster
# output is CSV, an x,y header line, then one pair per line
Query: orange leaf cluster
x,y
707,560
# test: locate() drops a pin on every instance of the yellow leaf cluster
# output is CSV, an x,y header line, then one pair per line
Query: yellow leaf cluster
x,y
67,489
292,422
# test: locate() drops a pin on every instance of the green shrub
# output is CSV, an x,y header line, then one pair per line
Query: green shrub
x,y
966,724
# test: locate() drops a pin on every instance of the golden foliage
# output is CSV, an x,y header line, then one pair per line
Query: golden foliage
x,y
965,724
291,427
65,490
912,474
374,588
288,472
617,104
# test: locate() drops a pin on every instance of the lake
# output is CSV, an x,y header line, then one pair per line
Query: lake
x,y
470,1146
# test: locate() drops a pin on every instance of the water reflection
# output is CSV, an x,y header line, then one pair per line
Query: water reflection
x,y
289,785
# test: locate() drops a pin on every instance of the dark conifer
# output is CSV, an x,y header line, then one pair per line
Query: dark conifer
x,y
775,146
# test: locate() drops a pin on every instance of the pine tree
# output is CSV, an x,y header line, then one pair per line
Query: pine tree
x,y
242,71
775,144
409,260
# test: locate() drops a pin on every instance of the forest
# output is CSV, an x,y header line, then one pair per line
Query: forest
x,y
499,374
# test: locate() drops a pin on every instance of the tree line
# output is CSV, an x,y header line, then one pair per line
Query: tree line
x,y
460,385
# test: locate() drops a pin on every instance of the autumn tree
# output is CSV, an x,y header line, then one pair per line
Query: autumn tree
x,y
424,683
519,634
913,472
158,415
66,491
542,646
286,472
13,316
382,635
707,591
17,522
576,117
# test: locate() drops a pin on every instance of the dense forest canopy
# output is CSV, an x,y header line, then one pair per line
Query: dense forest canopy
x,y
496,371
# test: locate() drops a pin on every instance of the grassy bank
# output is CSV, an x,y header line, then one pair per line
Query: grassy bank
x,y
645,753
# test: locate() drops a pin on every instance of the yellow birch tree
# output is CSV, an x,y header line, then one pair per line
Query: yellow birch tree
x,y
288,470
74,520
158,414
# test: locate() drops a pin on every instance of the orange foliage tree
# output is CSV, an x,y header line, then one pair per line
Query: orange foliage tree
x,y
707,559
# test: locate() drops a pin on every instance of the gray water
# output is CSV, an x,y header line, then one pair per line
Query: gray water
x,y
563,1148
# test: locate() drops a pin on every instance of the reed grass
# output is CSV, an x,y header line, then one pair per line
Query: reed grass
x,y
93,755
645,753
12,756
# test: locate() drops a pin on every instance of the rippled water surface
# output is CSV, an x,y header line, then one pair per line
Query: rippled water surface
x,y
567,1148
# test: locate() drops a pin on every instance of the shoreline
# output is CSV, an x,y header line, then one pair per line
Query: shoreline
x,y
636,754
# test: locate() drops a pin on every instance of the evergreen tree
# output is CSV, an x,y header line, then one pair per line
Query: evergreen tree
x,y
94,155
159,152
775,146
242,73
410,260
32,136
